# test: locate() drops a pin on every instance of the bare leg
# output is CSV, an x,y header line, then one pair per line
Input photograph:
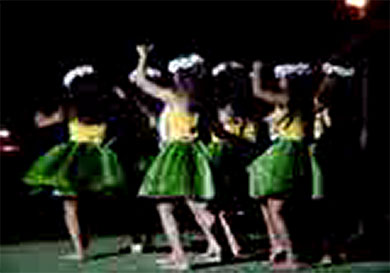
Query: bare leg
x,y
283,240
72,223
170,228
275,208
234,246
274,244
205,220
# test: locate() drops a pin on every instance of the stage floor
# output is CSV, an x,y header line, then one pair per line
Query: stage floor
x,y
43,256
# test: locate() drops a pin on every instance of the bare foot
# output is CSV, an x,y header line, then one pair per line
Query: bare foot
x,y
170,258
179,266
289,265
73,256
326,260
174,262
210,256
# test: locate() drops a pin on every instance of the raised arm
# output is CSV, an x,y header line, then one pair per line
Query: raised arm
x,y
41,120
322,97
266,95
146,85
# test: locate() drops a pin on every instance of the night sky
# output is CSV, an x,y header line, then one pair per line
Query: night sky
x,y
41,41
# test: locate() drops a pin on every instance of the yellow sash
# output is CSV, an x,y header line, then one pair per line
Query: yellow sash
x,y
285,127
85,133
235,128
182,125
294,130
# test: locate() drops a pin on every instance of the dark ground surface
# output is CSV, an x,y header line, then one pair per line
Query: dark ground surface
x,y
43,256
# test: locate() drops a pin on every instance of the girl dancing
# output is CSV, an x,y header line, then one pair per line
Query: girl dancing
x,y
282,171
182,168
230,144
84,164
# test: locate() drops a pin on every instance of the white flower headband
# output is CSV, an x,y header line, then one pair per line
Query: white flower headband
x,y
328,68
283,70
184,62
151,72
223,66
78,71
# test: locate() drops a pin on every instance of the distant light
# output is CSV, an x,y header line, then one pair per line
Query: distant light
x,y
4,133
9,148
356,3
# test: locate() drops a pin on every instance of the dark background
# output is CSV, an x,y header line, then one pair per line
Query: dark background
x,y
41,40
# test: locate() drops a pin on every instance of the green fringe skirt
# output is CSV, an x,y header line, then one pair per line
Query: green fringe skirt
x,y
71,168
229,173
284,168
181,169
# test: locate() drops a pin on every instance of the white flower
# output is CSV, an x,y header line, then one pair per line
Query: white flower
x,y
281,71
328,68
151,72
224,65
184,62
78,71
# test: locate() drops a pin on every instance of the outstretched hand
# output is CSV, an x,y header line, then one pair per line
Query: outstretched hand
x,y
257,67
143,50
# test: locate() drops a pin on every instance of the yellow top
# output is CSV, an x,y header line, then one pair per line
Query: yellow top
x,y
285,127
181,125
237,128
85,133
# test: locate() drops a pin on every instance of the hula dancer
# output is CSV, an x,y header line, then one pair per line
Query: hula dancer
x,y
330,195
84,164
229,145
283,170
181,169
141,117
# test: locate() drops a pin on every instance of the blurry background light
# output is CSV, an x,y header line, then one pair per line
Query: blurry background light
x,y
356,3
4,133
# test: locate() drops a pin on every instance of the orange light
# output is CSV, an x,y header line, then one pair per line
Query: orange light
x,y
356,3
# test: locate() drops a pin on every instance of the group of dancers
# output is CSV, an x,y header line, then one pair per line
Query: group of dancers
x,y
209,144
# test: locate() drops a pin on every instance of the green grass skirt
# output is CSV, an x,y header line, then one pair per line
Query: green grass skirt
x,y
71,168
283,168
181,169
228,168
317,172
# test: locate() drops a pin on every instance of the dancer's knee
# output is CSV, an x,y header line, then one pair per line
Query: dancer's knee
x,y
165,208
275,206
70,208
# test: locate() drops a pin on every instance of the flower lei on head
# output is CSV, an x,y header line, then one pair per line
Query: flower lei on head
x,y
329,69
77,71
184,63
284,70
224,66
151,72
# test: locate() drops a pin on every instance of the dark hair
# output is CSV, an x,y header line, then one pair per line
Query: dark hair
x,y
89,94
232,86
301,88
